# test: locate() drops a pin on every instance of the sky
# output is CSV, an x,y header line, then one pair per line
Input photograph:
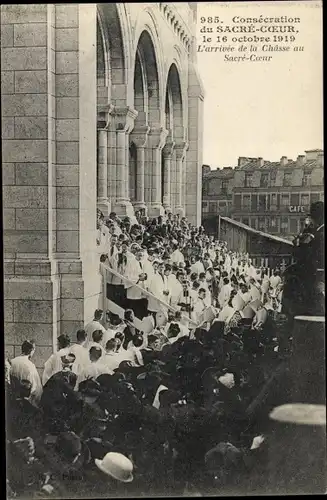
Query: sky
x,y
263,109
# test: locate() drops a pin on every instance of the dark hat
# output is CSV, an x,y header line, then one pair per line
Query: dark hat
x,y
223,455
90,387
68,444
68,360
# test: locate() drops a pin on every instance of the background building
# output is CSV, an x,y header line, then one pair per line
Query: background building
x,y
217,195
101,108
271,196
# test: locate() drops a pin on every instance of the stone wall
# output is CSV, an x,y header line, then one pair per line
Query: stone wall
x,y
49,183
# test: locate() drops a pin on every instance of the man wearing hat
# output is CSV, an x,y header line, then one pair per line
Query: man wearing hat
x,y
303,291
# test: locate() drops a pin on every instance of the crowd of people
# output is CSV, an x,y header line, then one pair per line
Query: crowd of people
x,y
120,411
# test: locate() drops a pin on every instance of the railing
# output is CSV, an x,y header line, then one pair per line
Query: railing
x,y
145,293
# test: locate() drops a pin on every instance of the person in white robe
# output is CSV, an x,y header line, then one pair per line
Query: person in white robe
x,y
95,324
196,266
254,290
159,287
199,306
80,352
136,274
224,293
177,256
244,293
22,368
53,364
96,341
103,237
175,287
94,368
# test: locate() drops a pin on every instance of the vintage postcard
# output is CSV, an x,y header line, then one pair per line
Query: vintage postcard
x,y
163,215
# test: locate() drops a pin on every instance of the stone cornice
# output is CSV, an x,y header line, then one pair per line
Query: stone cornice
x,y
178,25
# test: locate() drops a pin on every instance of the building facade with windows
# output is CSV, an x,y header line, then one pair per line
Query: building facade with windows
x,y
217,195
273,197
276,196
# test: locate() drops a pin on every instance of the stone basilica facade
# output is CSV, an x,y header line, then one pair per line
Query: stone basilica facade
x,y
101,108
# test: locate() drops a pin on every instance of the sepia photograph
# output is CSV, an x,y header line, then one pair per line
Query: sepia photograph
x,y
163,249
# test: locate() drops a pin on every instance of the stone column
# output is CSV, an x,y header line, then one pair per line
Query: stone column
x,y
102,164
124,123
156,141
180,148
139,137
167,156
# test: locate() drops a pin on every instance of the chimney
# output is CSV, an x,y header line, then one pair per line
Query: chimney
x,y
243,160
300,161
206,169
283,161
260,162
320,159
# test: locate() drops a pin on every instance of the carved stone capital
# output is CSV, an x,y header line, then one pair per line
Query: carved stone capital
x,y
139,136
168,149
123,118
181,148
104,116
157,137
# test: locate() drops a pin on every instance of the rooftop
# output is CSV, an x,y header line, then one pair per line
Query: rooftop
x,y
255,231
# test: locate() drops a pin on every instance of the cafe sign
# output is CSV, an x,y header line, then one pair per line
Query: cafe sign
x,y
297,209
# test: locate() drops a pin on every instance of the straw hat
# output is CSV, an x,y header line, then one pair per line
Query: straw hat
x,y
117,466
300,413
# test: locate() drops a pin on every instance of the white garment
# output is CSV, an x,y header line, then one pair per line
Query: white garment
x,y
199,307
275,281
91,327
24,369
255,293
175,288
245,296
53,364
82,357
132,354
113,264
92,371
156,402
158,284
226,314
110,361
197,267
224,294
177,257
108,335
104,236
133,270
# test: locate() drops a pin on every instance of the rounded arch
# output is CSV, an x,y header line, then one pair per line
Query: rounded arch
x,y
140,84
112,28
146,23
175,100
146,77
